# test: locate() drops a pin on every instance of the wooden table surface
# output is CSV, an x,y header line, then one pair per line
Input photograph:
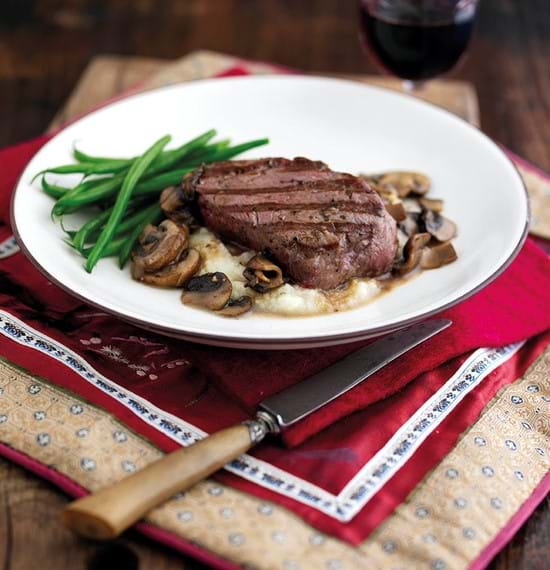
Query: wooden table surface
x,y
45,45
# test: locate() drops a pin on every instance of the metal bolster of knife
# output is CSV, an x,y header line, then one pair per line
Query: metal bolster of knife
x,y
263,424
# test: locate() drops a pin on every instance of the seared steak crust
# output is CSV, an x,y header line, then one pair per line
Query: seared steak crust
x,y
322,227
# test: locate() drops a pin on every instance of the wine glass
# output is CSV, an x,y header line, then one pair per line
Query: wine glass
x,y
417,40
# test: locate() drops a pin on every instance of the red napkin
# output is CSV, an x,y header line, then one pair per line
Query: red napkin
x,y
512,308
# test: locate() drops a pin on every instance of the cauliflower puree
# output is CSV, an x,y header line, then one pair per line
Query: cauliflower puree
x,y
290,300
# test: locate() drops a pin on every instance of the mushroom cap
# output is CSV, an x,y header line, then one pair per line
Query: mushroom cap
x,y
438,255
160,246
236,307
409,226
441,228
174,274
412,206
435,204
396,210
404,183
262,274
211,291
178,205
412,253
388,194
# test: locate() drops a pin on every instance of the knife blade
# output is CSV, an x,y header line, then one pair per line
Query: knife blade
x,y
108,512
294,403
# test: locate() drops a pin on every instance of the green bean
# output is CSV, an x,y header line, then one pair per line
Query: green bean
x,y
110,183
148,215
86,185
108,167
111,249
86,168
165,160
208,150
69,242
230,152
171,157
224,143
214,154
161,181
90,226
84,157
103,189
78,198
87,232
71,203
53,190
137,217
136,171
125,251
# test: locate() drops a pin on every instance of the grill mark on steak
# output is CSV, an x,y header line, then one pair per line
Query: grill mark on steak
x,y
295,198
290,185
277,219
322,227
273,206
336,226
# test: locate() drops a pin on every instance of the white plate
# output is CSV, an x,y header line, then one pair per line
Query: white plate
x,y
350,126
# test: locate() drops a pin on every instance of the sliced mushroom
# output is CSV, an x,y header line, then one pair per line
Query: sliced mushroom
x,y
263,275
412,253
179,205
441,228
386,193
160,246
409,226
404,183
174,274
211,291
236,307
412,206
396,211
431,204
438,255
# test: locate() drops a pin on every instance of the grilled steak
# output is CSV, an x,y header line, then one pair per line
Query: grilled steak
x,y
322,227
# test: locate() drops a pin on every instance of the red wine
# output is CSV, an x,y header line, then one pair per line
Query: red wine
x,y
415,50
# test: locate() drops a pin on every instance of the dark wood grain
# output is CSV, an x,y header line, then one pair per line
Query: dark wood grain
x,y
32,536
44,47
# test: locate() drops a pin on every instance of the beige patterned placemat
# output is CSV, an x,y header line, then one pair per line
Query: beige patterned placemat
x,y
538,188
446,522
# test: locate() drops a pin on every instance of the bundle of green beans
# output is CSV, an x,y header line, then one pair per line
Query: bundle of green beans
x,y
125,191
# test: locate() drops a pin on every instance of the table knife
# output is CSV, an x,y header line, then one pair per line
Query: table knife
x,y
107,513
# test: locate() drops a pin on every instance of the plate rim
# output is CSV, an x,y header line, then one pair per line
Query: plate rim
x,y
279,343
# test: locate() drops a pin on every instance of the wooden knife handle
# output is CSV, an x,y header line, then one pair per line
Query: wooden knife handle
x,y
107,513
